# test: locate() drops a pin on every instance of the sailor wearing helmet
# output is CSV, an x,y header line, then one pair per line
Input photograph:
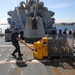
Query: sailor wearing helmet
x,y
15,43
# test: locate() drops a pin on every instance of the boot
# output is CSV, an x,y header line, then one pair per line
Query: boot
x,y
13,55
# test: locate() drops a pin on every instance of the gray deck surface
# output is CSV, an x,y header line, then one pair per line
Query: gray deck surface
x,y
27,65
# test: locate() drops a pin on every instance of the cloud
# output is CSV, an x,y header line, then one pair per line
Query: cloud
x,y
68,20
3,21
61,5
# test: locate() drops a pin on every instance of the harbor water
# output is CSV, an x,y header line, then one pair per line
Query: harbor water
x,y
62,27
72,27
3,27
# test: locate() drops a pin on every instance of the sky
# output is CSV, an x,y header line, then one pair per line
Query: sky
x,y
64,9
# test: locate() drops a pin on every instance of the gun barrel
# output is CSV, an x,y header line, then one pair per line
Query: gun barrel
x,y
36,8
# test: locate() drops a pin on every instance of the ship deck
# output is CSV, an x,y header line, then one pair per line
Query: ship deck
x,y
31,66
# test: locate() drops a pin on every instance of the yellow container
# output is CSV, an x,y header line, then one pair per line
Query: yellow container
x,y
45,39
45,51
38,50
45,46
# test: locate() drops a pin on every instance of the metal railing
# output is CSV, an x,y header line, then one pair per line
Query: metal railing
x,y
60,45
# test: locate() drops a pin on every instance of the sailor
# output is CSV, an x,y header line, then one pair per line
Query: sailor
x,y
65,31
15,43
74,33
70,32
54,31
60,31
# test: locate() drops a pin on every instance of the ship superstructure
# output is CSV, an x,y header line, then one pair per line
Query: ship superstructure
x,y
32,16
19,15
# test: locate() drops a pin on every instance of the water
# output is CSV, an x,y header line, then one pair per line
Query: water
x,y
3,27
63,27
69,27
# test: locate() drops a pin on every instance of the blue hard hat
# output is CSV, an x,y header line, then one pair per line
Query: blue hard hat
x,y
16,28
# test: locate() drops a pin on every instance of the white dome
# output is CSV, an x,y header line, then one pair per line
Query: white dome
x,y
21,3
41,4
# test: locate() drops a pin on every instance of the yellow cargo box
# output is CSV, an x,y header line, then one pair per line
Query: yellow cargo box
x,y
45,39
45,51
45,46
38,50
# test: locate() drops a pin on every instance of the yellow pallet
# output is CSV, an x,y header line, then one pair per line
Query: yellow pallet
x,y
45,46
38,50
